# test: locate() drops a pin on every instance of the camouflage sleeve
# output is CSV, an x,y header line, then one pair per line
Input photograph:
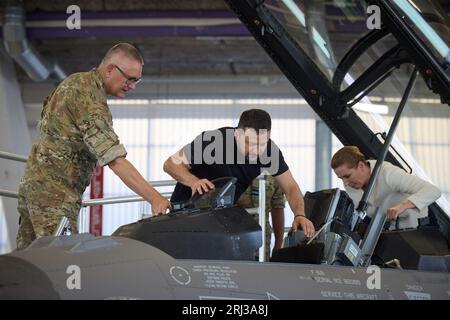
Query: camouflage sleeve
x,y
278,198
245,200
94,121
102,141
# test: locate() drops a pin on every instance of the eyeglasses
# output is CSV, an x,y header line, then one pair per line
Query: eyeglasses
x,y
130,80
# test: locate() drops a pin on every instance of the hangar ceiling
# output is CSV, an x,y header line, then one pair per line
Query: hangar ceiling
x,y
180,40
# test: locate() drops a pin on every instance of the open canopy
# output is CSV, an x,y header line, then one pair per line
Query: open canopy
x,y
384,38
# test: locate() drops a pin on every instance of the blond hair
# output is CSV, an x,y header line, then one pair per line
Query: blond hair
x,y
349,155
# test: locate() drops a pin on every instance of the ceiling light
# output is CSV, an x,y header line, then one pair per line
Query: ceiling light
x,y
372,108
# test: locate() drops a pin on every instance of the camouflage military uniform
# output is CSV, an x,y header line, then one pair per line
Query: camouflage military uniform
x,y
274,199
75,132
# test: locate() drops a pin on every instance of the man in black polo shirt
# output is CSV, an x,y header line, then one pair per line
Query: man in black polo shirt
x,y
243,152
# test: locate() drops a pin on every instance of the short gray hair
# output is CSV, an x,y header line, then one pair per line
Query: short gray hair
x,y
126,49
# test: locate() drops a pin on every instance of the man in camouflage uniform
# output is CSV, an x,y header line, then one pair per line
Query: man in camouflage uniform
x,y
275,203
76,133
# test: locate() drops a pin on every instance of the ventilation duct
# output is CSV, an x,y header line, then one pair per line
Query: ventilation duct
x,y
18,47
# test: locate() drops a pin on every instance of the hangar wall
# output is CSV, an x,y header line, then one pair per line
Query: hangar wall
x,y
15,139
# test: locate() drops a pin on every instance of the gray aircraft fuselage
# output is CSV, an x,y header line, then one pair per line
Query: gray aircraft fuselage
x,y
85,267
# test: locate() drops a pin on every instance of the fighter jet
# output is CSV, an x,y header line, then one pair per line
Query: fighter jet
x,y
205,248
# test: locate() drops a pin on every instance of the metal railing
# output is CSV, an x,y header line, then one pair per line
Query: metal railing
x,y
84,222
12,156
262,216
8,194
126,199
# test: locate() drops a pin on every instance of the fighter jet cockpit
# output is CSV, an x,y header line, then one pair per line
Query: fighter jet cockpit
x,y
221,196
207,226
343,239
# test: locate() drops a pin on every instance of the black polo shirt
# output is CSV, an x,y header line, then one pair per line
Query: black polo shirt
x,y
214,154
